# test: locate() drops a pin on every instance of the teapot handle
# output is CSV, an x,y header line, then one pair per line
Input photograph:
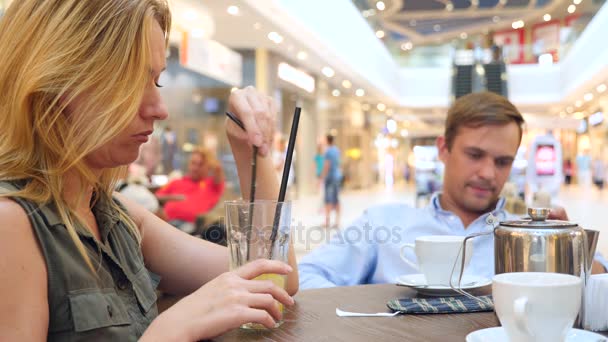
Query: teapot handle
x,y
463,248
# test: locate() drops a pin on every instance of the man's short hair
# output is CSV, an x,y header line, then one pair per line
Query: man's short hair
x,y
204,153
480,109
330,139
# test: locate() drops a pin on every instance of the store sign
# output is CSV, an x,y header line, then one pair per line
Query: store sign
x,y
211,59
296,77
545,160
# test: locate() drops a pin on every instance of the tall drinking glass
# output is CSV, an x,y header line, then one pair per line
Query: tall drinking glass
x,y
249,228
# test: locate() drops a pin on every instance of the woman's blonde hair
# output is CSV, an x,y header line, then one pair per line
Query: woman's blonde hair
x,y
56,51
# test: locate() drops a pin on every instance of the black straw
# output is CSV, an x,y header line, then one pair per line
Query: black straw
x,y
253,179
286,168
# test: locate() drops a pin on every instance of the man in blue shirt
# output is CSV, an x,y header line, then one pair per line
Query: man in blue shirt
x,y
482,134
332,177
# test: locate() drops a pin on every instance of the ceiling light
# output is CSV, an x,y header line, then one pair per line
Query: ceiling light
x,y
257,26
449,7
569,109
577,2
327,71
335,92
517,24
437,27
360,92
233,10
578,104
275,37
601,88
495,18
463,35
380,34
302,55
579,115
366,107
380,6
588,97
233,89
346,84
404,133
407,46
390,111
562,114
381,107
571,9
547,17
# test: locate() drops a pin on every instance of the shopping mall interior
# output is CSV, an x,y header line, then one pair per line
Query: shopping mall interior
x,y
379,76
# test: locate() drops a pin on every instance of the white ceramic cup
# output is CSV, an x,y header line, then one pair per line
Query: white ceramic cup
x,y
436,255
536,306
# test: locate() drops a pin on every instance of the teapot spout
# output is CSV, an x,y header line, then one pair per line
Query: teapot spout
x,y
592,237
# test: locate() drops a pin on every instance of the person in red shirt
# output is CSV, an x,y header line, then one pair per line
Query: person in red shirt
x,y
194,194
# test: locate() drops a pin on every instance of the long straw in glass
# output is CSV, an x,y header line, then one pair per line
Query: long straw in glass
x,y
286,167
253,179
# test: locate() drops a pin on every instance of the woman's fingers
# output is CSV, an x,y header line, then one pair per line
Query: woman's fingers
x,y
257,112
240,106
262,266
252,315
269,287
266,302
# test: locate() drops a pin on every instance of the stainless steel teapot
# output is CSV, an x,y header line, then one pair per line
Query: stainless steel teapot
x,y
540,245
537,244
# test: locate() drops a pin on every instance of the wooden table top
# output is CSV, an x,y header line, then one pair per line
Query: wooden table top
x,y
313,318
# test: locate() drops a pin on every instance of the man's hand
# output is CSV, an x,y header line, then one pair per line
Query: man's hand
x,y
558,213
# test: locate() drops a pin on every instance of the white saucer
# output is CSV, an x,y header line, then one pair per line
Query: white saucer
x,y
498,334
418,282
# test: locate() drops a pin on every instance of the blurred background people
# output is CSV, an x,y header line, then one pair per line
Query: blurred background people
x,y
599,173
332,177
568,171
194,194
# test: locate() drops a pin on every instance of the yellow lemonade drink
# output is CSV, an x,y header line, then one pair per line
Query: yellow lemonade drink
x,y
278,280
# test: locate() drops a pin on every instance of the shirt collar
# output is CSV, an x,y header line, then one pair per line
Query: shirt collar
x,y
499,211
106,216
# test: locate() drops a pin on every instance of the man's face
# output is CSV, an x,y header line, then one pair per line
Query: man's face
x,y
478,165
197,167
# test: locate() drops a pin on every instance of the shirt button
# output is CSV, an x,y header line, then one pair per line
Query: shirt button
x,y
110,311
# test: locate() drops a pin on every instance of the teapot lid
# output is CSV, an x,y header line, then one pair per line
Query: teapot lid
x,y
538,219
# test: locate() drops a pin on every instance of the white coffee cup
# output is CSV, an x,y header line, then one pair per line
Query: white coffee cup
x,y
436,255
536,306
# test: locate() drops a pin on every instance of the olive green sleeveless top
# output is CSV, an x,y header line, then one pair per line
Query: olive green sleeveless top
x,y
116,305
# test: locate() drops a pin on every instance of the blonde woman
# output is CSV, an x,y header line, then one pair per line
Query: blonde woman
x,y
79,82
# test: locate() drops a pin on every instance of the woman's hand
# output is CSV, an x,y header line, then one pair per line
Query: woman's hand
x,y
258,114
225,303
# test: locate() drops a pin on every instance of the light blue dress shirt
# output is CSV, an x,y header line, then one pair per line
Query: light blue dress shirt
x,y
367,252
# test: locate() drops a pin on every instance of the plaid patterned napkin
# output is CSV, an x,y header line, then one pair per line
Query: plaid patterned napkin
x,y
433,305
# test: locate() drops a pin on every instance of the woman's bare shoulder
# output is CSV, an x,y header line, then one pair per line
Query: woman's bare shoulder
x,y
23,276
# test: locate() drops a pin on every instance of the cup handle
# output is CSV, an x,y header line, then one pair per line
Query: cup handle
x,y
520,310
403,248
